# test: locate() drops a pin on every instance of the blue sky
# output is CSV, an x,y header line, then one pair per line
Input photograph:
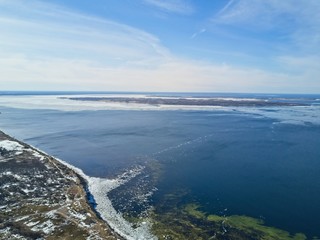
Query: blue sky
x,y
153,45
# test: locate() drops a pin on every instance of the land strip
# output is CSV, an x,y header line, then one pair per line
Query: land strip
x,y
41,198
191,101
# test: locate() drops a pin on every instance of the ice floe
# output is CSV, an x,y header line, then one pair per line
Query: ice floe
x,y
285,114
99,188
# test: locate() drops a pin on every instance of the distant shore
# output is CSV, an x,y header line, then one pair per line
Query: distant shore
x,y
210,102
41,197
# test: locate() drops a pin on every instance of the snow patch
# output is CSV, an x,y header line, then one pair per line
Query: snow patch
x,y
11,146
17,148
51,214
99,188
37,155
31,224
28,190
79,216
21,218
47,227
7,234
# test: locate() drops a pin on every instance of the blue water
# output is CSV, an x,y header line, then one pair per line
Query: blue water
x,y
250,167
229,162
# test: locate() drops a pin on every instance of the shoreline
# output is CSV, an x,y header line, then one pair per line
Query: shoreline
x,y
183,101
98,188
106,214
66,217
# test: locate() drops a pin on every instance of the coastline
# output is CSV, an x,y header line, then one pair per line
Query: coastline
x,y
193,209
164,225
43,197
185,101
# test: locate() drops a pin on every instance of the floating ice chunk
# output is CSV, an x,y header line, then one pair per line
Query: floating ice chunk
x,y
99,188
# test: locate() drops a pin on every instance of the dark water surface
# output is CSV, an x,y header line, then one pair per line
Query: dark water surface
x,y
229,162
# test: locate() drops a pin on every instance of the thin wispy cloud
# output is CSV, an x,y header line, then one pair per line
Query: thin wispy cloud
x,y
175,6
46,30
49,47
225,7
262,14
268,15
203,30
291,27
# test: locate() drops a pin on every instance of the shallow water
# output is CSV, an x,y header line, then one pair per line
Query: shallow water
x,y
228,162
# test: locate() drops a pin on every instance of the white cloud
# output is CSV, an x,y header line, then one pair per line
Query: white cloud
x,y
174,75
45,30
46,47
176,6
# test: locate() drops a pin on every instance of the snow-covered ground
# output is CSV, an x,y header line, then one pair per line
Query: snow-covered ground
x,y
42,196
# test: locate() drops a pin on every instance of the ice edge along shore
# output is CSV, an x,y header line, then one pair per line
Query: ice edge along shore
x,y
99,188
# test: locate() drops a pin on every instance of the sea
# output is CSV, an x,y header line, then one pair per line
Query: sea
x,y
261,162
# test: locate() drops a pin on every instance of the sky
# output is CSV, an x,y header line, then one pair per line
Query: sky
x,y
258,46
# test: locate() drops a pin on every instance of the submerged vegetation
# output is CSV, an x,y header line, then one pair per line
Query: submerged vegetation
x,y
250,226
175,216
187,221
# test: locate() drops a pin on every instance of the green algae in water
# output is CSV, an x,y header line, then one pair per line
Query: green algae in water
x,y
251,225
188,222
175,218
